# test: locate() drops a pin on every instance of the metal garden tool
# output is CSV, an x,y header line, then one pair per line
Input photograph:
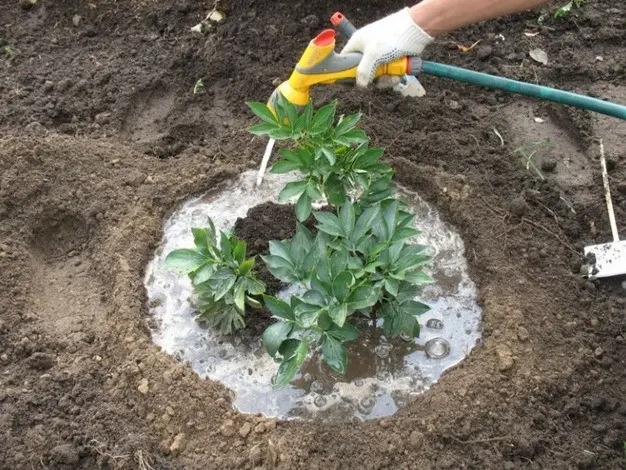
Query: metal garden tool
x,y
606,259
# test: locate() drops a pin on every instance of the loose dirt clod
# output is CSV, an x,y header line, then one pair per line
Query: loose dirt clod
x,y
522,334
245,429
143,386
505,358
179,444
228,428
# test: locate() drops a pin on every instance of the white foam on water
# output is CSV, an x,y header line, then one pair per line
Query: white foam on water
x,y
247,369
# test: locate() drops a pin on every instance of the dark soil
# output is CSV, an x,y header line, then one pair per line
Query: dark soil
x,y
102,137
263,223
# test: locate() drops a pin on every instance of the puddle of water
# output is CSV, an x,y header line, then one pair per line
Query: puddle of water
x,y
382,374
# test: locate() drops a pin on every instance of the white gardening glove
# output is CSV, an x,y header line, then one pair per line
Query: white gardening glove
x,y
385,40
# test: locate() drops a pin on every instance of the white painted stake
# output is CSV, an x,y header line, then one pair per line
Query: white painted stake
x,y
266,158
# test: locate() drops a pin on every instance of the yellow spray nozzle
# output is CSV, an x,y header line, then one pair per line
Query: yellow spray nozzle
x,y
320,64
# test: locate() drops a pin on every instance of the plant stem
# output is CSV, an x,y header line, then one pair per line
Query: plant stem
x,y
374,311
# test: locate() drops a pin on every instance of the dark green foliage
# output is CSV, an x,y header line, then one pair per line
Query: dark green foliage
x,y
359,262
223,279
356,262
334,158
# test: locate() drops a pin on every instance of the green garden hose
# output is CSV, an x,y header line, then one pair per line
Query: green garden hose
x,y
523,88
345,27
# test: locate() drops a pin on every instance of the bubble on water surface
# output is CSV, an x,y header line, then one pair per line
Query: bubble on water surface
x,y
320,401
367,403
437,348
434,323
382,350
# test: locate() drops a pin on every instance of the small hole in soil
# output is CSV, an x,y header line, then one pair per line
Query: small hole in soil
x,y
382,373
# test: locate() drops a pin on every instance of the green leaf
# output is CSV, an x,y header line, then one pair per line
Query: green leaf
x,y
280,248
406,292
364,222
338,262
264,128
303,207
323,268
362,297
202,274
368,158
418,278
391,218
286,372
347,123
334,189
323,118
290,112
277,262
346,218
330,156
253,302
302,351
200,239
307,314
225,246
239,296
403,233
329,223
288,368
274,335
314,254
278,308
342,285
409,261
354,136
292,189
278,103
321,286
290,155
304,119
313,192
300,245
355,265
338,314
223,286
185,259
394,252
246,266
314,297
289,348
239,251
391,285
254,286
413,307
284,167
334,354
280,134
262,112
345,333
397,320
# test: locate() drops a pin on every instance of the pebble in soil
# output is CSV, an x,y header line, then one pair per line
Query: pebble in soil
x,y
383,373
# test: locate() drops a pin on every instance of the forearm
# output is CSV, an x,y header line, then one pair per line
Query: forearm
x,y
438,17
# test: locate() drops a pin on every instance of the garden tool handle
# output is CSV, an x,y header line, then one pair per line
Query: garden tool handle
x,y
416,66
347,29
320,64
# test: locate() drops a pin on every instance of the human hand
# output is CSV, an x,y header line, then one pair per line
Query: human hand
x,y
385,40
